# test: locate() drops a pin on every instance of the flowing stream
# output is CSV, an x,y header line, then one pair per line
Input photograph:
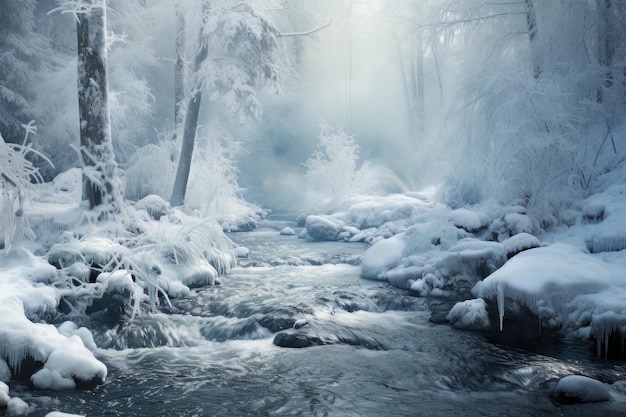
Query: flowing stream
x,y
374,351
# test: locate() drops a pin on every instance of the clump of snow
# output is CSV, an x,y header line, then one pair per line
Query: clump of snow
x,y
470,220
519,243
287,231
154,205
21,296
4,394
69,182
469,315
60,414
322,227
5,371
17,407
242,252
593,212
382,256
562,285
602,218
581,389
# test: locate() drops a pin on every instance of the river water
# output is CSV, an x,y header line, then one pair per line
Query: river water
x,y
374,353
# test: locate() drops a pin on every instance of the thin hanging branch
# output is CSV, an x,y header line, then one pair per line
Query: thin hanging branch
x,y
307,33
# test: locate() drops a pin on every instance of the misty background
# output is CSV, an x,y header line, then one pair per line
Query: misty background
x,y
482,100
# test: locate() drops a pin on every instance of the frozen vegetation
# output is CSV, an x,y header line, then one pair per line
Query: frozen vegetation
x,y
570,276
483,162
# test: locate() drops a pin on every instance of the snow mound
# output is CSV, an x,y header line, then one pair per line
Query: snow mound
x,y
17,407
382,256
287,231
563,286
154,205
581,389
60,414
470,220
602,218
469,315
322,227
4,394
70,182
33,350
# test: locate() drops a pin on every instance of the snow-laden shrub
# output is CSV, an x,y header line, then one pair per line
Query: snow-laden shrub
x,y
333,172
213,189
150,171
17,174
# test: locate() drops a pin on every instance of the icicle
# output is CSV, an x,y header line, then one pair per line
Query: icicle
x,y
500,304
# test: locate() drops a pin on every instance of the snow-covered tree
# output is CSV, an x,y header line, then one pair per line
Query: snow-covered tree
x,y
22,50
234,55
100,182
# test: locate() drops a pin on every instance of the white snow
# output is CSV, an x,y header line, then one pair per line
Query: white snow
x,y
4,394
22,296
60,414
578,388
382,256
322,227
564,286
5,371
17,407
287,231
469,315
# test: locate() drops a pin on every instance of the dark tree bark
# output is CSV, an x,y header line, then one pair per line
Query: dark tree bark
x,y
179,69
99,167
606,46
531,24
189,135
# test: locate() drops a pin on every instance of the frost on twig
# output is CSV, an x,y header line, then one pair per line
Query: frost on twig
x,y
76,7
17,175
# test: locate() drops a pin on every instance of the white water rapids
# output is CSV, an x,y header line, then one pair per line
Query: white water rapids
x,y
375,351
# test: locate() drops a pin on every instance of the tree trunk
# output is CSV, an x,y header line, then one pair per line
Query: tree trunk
x,y
419,81
186,151
606,47
531,24
179,70
189,133
98,162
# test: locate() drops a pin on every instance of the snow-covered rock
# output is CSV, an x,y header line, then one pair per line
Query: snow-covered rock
x,y
581,389
470,220
322,227
17,407
34,350
382,256
4,394
469,315
563,286
154,205
287,231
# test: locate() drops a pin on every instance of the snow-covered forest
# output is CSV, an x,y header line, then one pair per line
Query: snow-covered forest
x,y
470,154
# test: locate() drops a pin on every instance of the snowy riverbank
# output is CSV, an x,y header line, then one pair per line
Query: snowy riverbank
x,y
571,277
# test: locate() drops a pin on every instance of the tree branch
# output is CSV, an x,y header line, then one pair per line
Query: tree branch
x,y
296,34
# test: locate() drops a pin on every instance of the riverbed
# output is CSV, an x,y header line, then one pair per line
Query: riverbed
x,y
372,350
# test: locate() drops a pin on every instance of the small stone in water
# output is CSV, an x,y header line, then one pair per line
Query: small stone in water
x,y
287,231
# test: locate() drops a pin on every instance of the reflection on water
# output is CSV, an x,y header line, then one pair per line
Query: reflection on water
x,y
213,353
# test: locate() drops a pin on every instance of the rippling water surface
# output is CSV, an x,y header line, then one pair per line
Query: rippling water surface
x,y
376,352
